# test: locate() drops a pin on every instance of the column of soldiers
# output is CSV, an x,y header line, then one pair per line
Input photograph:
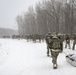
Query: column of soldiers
x,y
54,43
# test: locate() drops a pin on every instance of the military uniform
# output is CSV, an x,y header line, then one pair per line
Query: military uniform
x,y
61,41
67,40
48,42
74,42
55,54
56,49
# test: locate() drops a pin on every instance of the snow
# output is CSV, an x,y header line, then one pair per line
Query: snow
x,y
19,57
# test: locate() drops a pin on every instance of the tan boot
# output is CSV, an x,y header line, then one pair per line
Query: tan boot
x,y
55,66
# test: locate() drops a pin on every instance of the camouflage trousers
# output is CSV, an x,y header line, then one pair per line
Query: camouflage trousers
x,y
74,43
67,43
54,56
48,49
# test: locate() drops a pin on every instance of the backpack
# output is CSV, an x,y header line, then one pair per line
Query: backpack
x,y
55,42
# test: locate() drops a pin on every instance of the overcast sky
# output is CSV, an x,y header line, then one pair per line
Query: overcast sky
x,y
9,9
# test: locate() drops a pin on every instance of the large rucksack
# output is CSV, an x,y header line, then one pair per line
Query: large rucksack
x,y
55,42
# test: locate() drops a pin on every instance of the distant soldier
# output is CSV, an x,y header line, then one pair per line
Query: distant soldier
x,y
74,42
48,42
61,37
67,41
56,49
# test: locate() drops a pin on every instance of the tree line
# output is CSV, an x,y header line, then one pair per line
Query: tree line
x,y
48,16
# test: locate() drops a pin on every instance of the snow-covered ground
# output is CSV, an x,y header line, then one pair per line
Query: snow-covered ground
x,y
19,57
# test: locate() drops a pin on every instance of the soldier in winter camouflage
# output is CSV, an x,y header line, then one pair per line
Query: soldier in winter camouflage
x,y
55,46
61,37
48,42
67,41
74,42
56,49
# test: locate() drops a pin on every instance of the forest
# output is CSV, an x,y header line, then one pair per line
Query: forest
x,y
48,16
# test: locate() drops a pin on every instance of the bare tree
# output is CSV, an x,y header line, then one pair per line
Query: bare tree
x,y
19,21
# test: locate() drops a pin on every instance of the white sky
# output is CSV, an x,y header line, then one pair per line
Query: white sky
x,y
9,9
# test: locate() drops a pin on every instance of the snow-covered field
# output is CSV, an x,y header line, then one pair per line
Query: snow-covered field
x,y
19,57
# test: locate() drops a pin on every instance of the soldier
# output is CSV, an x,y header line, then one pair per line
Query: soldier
x,y
74,42
56,49
48,42
61,37
67,40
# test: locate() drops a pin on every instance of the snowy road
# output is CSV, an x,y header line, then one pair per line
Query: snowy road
x,y
19,57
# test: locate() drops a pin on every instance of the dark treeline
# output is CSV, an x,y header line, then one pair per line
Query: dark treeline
x,y
50,15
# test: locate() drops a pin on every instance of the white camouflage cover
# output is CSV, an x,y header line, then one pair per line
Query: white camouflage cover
x,y
71,58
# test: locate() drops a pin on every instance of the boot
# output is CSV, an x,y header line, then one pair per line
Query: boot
x,y
48,55
54,66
